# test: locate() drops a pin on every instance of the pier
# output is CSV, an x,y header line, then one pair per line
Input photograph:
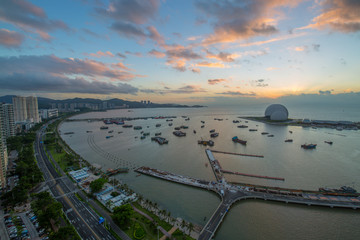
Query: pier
x,y
231,193
253,175
239,154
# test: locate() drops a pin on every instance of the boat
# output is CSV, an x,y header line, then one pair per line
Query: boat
x,y
120,132
68,133
184,127
242,126
214,134
103,127
202,121
202,126
179,133
147,134
252,130
187,119
194,131
107,137
236,139
212,130
170,124
343,189
158,125
235,121
288,140
158,134
142,137
160,140
270,135
107,121
111,131
177,128
309,146
89,131
169,120
137,128
206,143
328,142
290,131
264,133
127,126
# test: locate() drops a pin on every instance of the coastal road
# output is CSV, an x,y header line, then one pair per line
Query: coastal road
x,y
80,215
227,200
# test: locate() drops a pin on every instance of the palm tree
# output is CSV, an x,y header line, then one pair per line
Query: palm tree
x,y
183,224
190,227
168,215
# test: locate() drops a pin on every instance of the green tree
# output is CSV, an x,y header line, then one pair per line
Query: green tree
x,y
122,215
65,233
97,185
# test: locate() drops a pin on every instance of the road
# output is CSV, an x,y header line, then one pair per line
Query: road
x,y
227,200
80,215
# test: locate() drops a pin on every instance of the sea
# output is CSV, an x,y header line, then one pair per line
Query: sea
x,y
326,166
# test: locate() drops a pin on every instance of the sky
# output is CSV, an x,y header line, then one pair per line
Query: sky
x,y
181,51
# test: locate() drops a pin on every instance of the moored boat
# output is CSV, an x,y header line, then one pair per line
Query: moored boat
x,y
309,146
214,134
288,140
236,139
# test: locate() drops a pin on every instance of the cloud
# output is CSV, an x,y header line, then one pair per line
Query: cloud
x,y
137,54
237,93
276,39
100,54
128,30
56,66
155,35
316,47
216,81
338,15
195,70
157,54
326,92
222,56
259,83
305,48
121,55
91,33
29,17
181,90
271,68
239,20
61,84
135,11
120,65
178,55
211,65
10,39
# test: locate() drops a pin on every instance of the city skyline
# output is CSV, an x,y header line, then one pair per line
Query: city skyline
x,y
181,51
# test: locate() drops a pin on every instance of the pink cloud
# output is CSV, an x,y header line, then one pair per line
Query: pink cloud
x,y
338,15
216,81
100,54
10,39
29,17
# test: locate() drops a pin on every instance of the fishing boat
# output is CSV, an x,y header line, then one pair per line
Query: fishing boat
x,y
214,134
103,127
309,146
236,139
288,140
264,133
328,142
242,126
212,130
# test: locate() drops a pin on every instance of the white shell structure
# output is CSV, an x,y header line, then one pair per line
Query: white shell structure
x,y
276,112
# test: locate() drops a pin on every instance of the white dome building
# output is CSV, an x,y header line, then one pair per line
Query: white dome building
x,y
276,112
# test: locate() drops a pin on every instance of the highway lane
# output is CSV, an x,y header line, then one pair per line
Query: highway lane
x,y
81,216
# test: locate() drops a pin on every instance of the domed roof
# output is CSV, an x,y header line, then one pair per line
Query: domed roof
x,y
276,112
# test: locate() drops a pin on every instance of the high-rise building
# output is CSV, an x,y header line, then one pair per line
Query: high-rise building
x,y
7,119
3,157
26,109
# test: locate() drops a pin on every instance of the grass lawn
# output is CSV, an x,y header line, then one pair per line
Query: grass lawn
x,y
162,223
148,227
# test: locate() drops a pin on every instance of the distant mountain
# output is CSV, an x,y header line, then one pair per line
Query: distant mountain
x,y
115,102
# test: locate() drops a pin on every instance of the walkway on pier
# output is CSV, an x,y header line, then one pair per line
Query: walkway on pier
x,y
239,154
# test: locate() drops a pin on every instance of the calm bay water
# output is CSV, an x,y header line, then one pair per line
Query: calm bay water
x,y
329,166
